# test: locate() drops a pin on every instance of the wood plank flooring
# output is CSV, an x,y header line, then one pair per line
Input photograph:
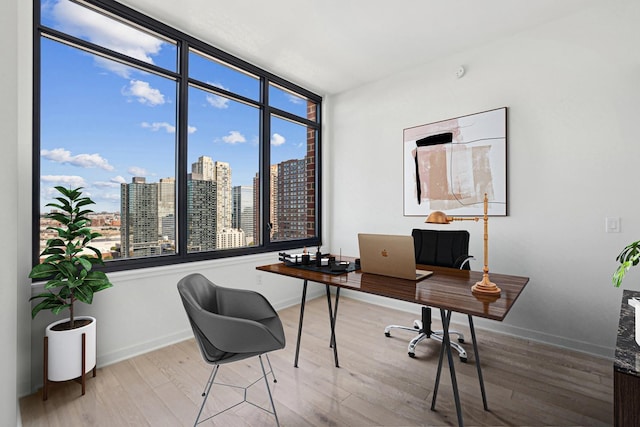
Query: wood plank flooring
x,y
528,384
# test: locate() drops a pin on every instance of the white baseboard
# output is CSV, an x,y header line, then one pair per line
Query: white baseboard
x,y
145,347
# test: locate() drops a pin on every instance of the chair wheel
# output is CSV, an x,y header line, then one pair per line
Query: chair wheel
x,y
387,334
412,355
463,359
461,340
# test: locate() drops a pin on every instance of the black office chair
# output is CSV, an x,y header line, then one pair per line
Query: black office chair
x,y
231,325
443,248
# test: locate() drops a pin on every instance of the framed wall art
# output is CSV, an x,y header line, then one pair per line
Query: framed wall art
x,y
450,165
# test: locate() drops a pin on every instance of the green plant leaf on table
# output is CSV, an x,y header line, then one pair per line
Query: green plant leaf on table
x,y
629,257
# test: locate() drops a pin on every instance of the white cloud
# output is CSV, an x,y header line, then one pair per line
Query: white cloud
x,y
218,101
277,139
71,181
112,183
118,179
295,99
105,31
144,93
113,197
169,128
234,137
137,171
156,126
60,155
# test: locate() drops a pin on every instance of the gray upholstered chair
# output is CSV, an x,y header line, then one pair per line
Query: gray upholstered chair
x,y
230,325
443,248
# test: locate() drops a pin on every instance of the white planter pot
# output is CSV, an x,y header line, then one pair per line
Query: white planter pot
x,y
65,350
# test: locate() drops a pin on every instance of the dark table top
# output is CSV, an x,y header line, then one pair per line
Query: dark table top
x,y
447,288
627,358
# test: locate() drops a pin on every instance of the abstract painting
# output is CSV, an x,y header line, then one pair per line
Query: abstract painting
x,y
450,165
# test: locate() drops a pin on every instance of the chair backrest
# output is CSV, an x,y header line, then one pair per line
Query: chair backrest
x,y
443,248
229,324
198,293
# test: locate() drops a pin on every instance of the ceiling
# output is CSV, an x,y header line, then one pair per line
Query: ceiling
x,y
329,46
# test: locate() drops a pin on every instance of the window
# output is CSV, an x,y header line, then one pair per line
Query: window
x,y
188,152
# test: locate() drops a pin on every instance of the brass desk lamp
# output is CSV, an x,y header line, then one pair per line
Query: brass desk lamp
x,y
485,286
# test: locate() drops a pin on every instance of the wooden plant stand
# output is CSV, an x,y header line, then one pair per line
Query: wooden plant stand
x,y
81,379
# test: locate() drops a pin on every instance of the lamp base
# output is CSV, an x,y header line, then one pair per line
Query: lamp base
x,y
485,287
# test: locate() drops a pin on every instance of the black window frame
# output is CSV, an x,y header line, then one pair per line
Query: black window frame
x,y
184,43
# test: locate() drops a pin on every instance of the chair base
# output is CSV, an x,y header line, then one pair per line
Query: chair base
x,y
211,382
436,335
423,329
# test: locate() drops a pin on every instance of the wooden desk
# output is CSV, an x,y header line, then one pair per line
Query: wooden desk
x,y
447,289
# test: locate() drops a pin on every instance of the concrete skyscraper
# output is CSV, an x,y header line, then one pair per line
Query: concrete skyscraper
x,y
243,216
139,219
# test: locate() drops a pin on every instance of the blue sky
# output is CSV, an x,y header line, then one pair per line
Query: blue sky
x,y
103,123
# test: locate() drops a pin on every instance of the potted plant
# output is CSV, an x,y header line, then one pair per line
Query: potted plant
x,y
68,269
629,257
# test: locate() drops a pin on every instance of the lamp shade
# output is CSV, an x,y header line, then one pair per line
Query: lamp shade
x,y
437,217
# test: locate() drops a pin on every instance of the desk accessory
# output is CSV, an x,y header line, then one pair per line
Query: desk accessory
x,y
485,286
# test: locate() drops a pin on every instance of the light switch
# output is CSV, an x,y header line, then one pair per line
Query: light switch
x,y
612,224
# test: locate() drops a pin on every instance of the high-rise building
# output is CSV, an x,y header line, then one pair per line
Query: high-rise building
x,y
230,238
273,201
167,208
201,214
291,200
204,168
243,215
139,219
225,201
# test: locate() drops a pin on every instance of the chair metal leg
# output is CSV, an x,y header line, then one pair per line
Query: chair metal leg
x,y
211,382
273,374
273,407
205,392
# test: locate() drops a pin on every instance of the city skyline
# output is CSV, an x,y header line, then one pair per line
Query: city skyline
x,y
103,123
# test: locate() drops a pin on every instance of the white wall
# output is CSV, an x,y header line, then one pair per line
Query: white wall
x,y
9,215
573,96
572,91
143,310
15,172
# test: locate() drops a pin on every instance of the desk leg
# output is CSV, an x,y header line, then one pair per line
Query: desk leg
x,y
333,314
446,347
477,357
304,298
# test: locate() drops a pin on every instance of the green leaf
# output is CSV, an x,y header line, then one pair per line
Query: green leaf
x,y
69,272
86,264
42,271
628,257
84,294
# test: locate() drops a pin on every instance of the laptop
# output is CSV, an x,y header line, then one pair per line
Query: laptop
x,y
389,255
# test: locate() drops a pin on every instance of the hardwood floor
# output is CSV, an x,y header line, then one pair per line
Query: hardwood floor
x,y
528,384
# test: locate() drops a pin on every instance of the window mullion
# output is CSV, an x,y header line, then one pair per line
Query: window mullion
x,y
182,146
